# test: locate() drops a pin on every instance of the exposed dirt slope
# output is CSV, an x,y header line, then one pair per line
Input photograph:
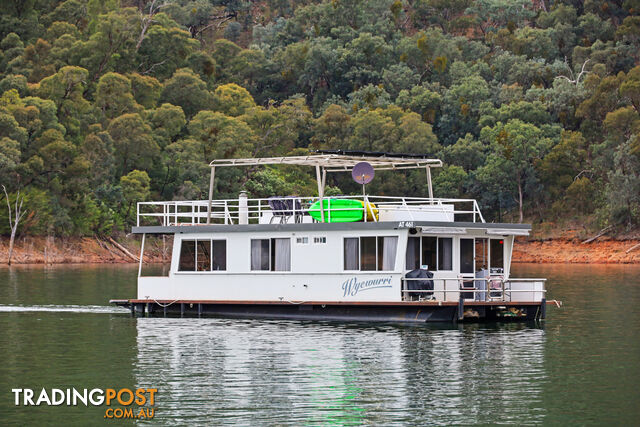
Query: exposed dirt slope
x,y
38,250
600,251
58,250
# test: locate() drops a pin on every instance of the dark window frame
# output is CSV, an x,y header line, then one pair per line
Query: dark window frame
x,y
378,253
182,256
501,244
223,243
272,254
437,255
212,255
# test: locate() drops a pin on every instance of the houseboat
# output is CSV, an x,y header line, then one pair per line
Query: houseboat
x,y
341,258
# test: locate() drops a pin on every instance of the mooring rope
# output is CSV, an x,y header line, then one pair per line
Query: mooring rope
x,y
165,305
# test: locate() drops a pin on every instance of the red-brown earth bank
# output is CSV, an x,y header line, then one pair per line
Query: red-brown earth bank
x,y
58,250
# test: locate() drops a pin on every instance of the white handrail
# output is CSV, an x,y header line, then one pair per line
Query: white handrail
x,y
228,209
505,293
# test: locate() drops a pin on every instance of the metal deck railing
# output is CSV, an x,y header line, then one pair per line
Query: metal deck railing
x,y
258,211
496,288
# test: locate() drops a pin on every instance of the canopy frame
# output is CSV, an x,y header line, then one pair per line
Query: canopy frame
x,y
324,163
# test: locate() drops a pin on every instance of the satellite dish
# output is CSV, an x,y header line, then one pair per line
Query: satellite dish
x,y
363,173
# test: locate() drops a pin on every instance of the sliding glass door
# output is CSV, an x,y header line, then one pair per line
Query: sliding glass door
x,y
467,264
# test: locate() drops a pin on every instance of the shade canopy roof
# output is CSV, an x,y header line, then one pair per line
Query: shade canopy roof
x,y
334,162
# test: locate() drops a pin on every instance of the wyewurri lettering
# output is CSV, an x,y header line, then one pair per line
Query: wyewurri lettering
x,y
352,286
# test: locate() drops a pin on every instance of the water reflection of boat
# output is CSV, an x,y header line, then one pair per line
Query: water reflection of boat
x,y
284,372
400,259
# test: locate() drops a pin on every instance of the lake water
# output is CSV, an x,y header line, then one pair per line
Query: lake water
x,y
581,366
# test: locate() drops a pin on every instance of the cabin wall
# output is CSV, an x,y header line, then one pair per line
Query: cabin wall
x,y
317,271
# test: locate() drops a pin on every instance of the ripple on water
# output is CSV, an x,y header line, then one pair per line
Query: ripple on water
x,y
313,373
63,309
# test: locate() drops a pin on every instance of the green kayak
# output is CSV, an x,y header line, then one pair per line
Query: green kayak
x,y
342,210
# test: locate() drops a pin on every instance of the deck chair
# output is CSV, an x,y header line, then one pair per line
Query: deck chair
x,y
295,207
283,208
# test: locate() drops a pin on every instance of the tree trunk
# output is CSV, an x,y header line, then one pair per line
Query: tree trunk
x,y
11,240
13,222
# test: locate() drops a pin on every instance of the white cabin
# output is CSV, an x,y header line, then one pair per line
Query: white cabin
x,y
255,250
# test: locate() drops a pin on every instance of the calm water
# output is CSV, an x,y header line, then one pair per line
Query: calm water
x,y
582,366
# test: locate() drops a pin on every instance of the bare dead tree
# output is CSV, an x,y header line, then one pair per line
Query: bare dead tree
x,y
14,220
217,23
150,69
147,20
573,79
582,172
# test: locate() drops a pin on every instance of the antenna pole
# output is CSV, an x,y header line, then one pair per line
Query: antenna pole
x,y
429,183
319,177
364,201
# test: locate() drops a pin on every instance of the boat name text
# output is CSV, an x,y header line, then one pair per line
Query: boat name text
x,y
352,286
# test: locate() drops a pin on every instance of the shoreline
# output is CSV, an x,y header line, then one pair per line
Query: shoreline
x,y
84,250
94,250
572,251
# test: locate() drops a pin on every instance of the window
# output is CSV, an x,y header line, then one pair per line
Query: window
x,y
187,256
466,255
351,253
436,253
203,255
271,254
219,255
370,253
260,258
481,254
430,252
319,240
413,253
302,240
496,250
387,248
445,253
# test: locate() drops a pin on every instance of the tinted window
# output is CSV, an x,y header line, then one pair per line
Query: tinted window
x,y
203,255
219,255
466,255
497,253
445,253
413,253
429,245
368,254
187,256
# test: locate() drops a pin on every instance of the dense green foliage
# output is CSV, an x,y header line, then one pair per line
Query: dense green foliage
x,y
532,104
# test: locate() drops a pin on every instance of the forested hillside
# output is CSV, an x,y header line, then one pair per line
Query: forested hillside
x,y
532,104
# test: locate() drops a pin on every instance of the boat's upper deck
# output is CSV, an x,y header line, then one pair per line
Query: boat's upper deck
x,y
301,211
244,214
298,210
